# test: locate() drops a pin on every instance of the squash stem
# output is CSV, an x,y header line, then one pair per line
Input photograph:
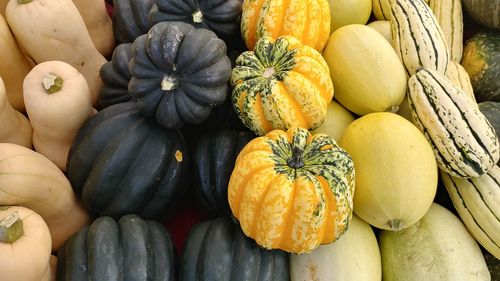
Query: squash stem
x,y
52,83
269,72
168,83
197,17
395,225
24,1
296,162
11,228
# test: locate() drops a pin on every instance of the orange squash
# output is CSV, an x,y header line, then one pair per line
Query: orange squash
x,y
306,20
292,190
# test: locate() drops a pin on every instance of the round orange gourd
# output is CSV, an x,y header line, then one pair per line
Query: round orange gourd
x,y
292,190
282,83
306,20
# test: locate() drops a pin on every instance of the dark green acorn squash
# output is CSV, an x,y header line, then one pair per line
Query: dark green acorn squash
x,y
115,77
484,12
124,163
179,73
481,60
220,16
214,156
130,19
131,249
218,250
491,111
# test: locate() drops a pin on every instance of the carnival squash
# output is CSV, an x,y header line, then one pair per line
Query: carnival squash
x,y
218,250
115,77
15,128
282,83
130,19
292,190
25,245
396,173
179,73
128,249
366,72
29,179
124,163
306,20
58,102
54,30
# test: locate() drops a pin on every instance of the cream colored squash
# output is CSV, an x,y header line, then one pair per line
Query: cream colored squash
x,y
344,12
58,103
98,24
13,67
355,256
15,126
382,8
366,72
460,78
29,179
3,4
54,30
436,248
396,172
25,245
337,119
383,27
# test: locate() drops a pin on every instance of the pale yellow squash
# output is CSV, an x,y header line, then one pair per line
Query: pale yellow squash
x,y
383,27
29,179
13,66
366,71
25,245
460,78
396,172
337,119
344,12
15,126
54,30
58,103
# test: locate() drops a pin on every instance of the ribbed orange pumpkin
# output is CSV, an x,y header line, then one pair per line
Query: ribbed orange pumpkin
x,y
306,20
292,190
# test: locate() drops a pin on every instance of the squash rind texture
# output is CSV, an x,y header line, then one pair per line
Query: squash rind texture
x,y
464,142
491,111
217,250
179,73
115,76
484,12
122,162
130,19
128,249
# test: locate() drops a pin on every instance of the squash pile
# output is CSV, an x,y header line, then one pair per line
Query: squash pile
x,y
319,139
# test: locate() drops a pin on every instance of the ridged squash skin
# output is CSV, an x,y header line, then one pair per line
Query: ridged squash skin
x,y
382,8
417,36
491,111
366,72
437,248
115,76
477,201
282,83
449,16
485,12
306,20
464,142
355,256
130,19
337,120
292,190
457,74
396,173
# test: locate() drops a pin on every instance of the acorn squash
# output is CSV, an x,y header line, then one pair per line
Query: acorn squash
x,y
130,19
115,77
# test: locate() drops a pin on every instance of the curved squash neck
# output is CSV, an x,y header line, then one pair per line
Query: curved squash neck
x,y
24,1
11,228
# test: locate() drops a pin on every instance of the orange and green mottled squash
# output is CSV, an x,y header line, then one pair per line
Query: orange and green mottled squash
x,y
306,20
282,83
292,190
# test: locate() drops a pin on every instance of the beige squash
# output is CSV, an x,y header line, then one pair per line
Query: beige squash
x,y
396,172
58,103
54,30
13,66
344,12
366,72
337,119
29,179
3,4
15,126
383,27
98,24
25,245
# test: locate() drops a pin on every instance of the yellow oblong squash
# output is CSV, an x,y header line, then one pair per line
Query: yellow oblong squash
x,y
366,72
345,12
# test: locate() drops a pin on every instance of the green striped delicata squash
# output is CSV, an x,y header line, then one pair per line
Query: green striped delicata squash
x,y
464,142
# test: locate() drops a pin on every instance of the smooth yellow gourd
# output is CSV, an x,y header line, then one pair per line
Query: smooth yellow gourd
x,y
15,126
337,119
366,71
54,30
383,27
396,172
13,66
344,12
58,103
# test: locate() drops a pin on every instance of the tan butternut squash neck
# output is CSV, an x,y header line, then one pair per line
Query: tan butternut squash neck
x,y
11,228
52,83
24,1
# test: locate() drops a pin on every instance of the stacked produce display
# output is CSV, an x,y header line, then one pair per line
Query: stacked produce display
x,y
249,140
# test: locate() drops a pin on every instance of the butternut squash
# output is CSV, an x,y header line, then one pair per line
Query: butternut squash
x,y
15,126
13,67
98,24
29,179
54,30
58,103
